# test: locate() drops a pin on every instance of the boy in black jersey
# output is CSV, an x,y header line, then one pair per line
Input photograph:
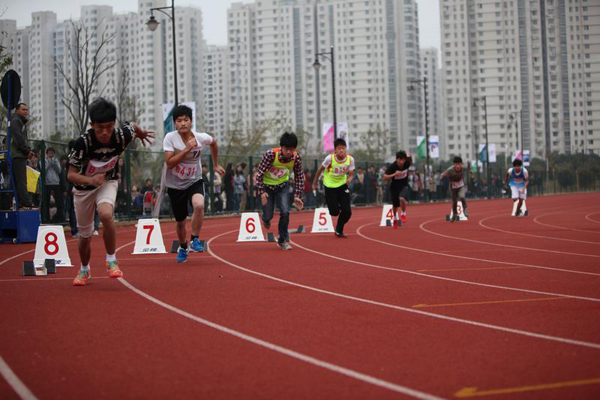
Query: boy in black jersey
x,y
94,172
397,172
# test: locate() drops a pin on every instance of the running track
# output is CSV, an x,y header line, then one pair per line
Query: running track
x,y
495,307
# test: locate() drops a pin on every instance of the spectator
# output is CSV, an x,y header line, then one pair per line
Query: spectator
x,y
148,187
358,186
379,195
149,198
228,186
218,192
33,181
137,200
64,185
254,203
371,184
239,181
20,151
121,203
309,197
246,185
52,188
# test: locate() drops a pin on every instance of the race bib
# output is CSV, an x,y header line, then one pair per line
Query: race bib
x,y
277,173
518,180
185,171
100,167
343,170
456,185
403,174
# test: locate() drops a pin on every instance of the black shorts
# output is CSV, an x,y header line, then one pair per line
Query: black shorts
x,y
398,192
180,199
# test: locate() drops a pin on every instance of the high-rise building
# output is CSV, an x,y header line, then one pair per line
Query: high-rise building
x,y
523,64
140,62
216,90
431,71
272,46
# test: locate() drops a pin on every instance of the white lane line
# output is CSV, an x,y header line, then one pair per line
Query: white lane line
x,y
282,350
528,234
399,308
45,279
422,226
14,382
358,231
590,219
473,258
560,227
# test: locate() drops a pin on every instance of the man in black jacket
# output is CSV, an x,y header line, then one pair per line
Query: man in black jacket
x,y
20,152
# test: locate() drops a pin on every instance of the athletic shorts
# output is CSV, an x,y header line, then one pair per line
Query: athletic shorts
x,y
518,193
86,201
180,199
397,193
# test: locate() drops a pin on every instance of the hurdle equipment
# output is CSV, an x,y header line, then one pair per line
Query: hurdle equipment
x,y
30,269
250,228
459,212
387,214
175,245
322,221
524,211
149,239
51,244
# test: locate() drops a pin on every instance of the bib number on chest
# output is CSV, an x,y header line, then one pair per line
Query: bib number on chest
x,y
277,173
100,167
459,184
185,171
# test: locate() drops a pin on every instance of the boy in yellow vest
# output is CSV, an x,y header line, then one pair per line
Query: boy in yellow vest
x,y
339,170
272,184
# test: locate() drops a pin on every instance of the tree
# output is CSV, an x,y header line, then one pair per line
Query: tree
x,y
376,144
129,106
88,57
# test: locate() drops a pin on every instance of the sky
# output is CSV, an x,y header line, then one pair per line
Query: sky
x,y
214,14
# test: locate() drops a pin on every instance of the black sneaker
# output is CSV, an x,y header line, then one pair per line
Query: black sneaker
x,y
341,235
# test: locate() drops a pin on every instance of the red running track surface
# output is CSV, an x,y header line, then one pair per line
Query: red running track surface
x,y
494,307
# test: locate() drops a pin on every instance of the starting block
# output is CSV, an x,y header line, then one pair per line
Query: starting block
x,y
300,229
524,211
30,269
271,237
175,245
389,222
459,212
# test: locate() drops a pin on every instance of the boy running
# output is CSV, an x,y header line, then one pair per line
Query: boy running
x,y
94,172
398,173
458,189
518,180
272,184
183,179
339,170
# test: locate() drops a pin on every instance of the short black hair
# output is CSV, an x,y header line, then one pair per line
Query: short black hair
x,y
182,111
102,110
457,160
401,155
339,142
50,149
517,162
18,107
289,139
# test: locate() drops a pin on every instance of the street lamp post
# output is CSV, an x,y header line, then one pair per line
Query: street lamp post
x,y
317,65
483,100
423,84
153,24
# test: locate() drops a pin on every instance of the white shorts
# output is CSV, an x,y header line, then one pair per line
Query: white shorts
x,y
518,193
86,201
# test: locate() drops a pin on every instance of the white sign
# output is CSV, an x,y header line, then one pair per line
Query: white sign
x,y
322,221
515,205
149,239
492,152
329,135
459,211
434,146
167,109
250,228
51,244
387,214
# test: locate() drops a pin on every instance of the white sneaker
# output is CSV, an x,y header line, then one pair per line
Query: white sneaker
x,y
96,233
